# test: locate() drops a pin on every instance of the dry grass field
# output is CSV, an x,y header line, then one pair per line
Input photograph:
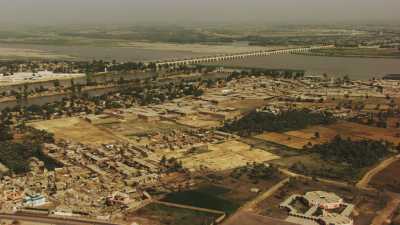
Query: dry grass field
x,y
76,129
199,121
138,127
299,138
285,139
245,105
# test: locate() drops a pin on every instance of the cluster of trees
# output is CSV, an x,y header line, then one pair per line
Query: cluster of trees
x,y
5,132
357,154
276,73
256,171
261,121
5,126
126,96
15,154
171,165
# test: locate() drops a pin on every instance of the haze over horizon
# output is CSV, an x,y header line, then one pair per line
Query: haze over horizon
x,y
48,12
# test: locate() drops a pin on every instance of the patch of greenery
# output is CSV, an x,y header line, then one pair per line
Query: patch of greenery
x,y
15,155
261,121
357,154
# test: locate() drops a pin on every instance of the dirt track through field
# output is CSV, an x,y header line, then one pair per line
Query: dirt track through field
x,y
363,183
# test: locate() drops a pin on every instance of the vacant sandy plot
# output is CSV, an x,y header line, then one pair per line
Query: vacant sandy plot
x,y
199,122
244,105
139,127
359,131
227,155
76,129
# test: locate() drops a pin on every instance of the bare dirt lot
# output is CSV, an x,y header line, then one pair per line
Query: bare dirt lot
x,y
137,127
222,156
228,155
388,179
199,121
76,129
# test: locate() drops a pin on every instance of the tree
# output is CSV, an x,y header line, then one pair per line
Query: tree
x,y
5,133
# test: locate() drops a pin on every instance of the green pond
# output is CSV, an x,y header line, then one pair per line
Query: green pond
x,y
209,197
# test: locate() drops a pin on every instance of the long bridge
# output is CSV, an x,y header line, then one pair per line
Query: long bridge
x,y
216,58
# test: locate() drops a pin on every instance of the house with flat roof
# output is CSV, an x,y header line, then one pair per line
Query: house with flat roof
x,y
324,208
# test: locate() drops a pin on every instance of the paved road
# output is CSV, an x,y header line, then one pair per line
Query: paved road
x,y
52,220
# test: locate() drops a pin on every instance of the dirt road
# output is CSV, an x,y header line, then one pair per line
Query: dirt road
x,y
386,213
363,183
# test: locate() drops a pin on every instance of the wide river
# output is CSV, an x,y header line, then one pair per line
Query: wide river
x,y
356,68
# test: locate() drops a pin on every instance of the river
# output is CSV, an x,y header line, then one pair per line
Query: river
x,y
356,68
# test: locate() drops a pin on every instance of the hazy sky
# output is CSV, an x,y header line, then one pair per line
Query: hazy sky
x,y
131,11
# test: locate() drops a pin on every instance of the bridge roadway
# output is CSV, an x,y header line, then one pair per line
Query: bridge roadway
x,y
237,56
37,218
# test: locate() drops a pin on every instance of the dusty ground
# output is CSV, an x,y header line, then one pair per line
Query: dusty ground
x,y
157,214
227,155
388,179
389,210
23,222
285,139
244,105
199,121
135,127
223,156
299,138
76,129
253,219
